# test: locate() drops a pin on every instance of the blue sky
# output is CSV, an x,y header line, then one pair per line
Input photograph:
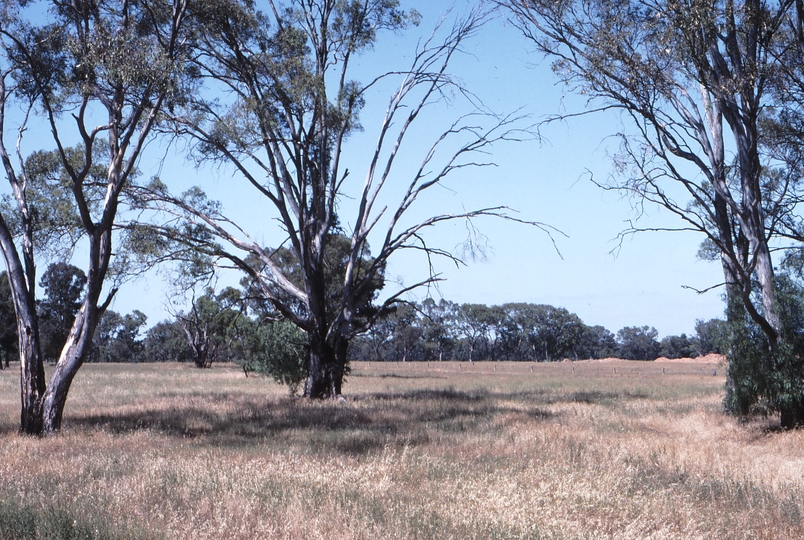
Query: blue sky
x,y
547,181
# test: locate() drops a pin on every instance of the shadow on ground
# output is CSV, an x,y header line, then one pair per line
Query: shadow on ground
x,y
360,425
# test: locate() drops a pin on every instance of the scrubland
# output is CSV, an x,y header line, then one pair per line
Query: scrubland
x,y
440,450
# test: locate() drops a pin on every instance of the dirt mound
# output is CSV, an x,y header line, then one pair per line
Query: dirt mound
x,y
706,359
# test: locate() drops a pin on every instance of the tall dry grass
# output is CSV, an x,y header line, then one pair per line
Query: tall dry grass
x,y
581,450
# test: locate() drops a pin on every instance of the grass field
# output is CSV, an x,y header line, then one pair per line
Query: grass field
x,y
503,450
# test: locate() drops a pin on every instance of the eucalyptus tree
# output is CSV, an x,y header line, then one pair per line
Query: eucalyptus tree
x,y
595,342
166,342
116,338
541,332
696,79
88,78
282,105
438,328
211,325
478,324
406,333
638,343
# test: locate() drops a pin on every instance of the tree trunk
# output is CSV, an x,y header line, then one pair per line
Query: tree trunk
x,y
767,284
79,341
72,358
32,377
324,378
315,386
32,370
22,279
339,369
792,416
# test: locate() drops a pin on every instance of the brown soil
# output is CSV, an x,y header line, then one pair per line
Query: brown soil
x,y
707,359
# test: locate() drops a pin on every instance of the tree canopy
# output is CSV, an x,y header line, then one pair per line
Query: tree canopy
x,y
96,75
710,92
293,104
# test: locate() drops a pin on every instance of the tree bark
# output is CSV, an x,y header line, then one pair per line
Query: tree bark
x,y
326,367
319,373
32,372
72,358
79,341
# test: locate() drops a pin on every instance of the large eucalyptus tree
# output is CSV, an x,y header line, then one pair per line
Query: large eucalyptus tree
x,y
283,104
88,78
697,79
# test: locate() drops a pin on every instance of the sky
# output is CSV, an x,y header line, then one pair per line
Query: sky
x,y
639,281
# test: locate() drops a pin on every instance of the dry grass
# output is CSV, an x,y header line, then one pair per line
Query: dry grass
x,y
581,450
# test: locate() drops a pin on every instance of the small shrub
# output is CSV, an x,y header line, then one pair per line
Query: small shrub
x,y
276,350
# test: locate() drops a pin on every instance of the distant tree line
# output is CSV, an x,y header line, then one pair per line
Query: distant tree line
x,y
230,326
432,331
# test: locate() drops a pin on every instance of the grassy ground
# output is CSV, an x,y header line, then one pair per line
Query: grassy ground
x,y
580,450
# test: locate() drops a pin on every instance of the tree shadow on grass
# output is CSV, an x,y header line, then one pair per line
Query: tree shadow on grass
x,y
9,429
397,376
365,423
535,396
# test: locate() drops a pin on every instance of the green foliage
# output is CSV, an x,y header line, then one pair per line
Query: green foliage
x,y
276,350
549,333
9,345
638,343
405,333
477,324
711,336
749,359
63,284
762,379
677,347
116,338
438,334
515,331
211,324
596,342
166,342
56,224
